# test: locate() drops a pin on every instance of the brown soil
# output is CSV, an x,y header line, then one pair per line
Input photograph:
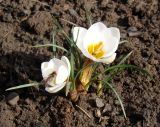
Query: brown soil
x,y
24,23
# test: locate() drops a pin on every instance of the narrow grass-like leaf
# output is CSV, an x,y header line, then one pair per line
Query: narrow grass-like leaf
x,y
69,22
50,45
121,42
77,36
121,62
88,16
23,86
125,58
118,97
72,62
115,71
69,40
72,66
124,66
68,86
53,42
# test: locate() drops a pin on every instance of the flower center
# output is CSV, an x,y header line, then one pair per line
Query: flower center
x,y
96,50
51,78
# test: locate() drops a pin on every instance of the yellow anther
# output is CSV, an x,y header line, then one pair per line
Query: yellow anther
x,y
96,50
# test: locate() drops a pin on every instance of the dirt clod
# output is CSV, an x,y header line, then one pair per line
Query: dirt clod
x,y
98,113
99,103
13,98
41,22
107,108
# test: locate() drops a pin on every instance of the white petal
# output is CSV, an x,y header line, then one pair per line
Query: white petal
x,y
115,32
86,54
55,88
47,68
110,45
58,63
44,65
62,74
100,33
78,35
108,60
66,61
94,34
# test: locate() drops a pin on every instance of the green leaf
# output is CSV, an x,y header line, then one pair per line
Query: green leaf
x,y
115,71
124,66
118,97
88,16
125,58
68,86
23,86
72,66
50,45
53,42
69,40
77,36
69,22
121,42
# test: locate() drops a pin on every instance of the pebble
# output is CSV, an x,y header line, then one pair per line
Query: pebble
x,y
107,108
133,34
132,29
99,103
7,17
117,102
98,113
12,98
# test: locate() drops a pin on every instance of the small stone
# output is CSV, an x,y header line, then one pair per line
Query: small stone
x,y
13,98
132,29
117,102
133,34
99,103
98,113
7,17
107,108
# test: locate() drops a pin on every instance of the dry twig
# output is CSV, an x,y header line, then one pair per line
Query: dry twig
x,y
83,111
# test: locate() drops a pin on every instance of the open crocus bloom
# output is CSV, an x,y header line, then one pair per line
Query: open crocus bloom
x,y
98,43
56,73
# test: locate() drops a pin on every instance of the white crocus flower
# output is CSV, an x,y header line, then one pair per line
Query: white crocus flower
x,y
56,73
98,43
